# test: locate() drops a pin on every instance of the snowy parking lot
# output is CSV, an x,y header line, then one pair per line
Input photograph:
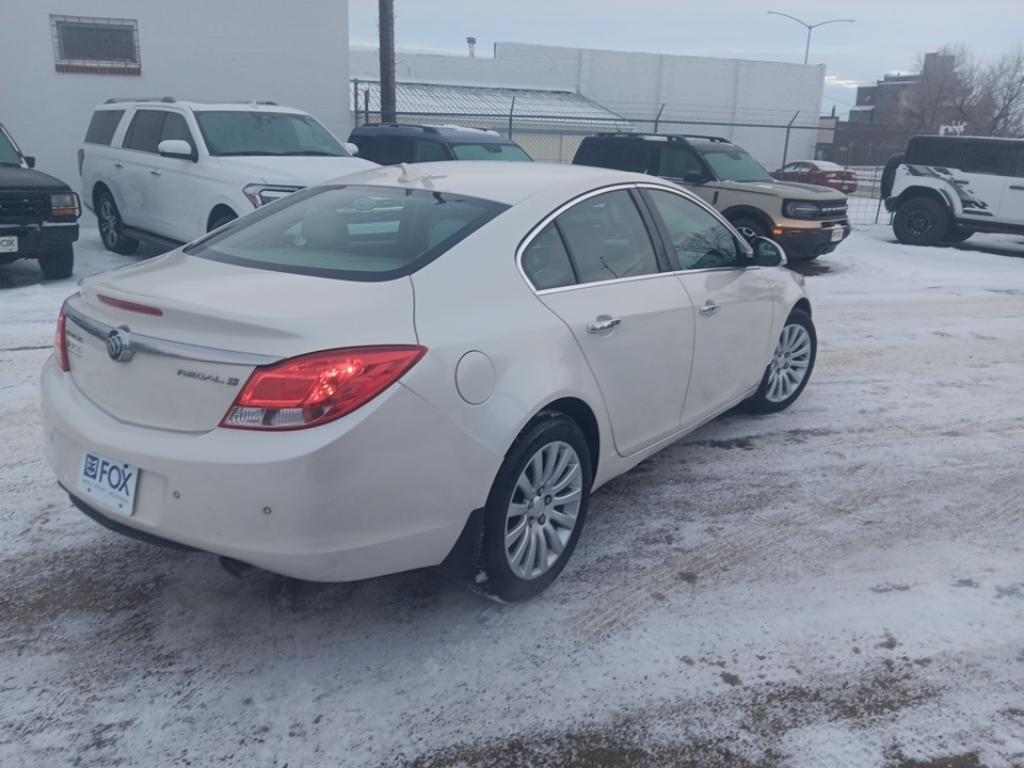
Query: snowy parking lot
x,y
841,584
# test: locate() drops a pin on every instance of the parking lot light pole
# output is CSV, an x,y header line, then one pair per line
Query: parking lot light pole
x,y
811,28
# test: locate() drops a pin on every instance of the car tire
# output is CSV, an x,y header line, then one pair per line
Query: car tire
x,y
795,351
58,265
535,510
921,221
221,220
112,226
956,234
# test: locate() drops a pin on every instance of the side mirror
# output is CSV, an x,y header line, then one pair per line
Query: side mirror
x,y
177,148
352,149
767,253
694,177
30,161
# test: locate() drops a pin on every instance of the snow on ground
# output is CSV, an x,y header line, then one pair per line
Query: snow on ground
x,y
838,585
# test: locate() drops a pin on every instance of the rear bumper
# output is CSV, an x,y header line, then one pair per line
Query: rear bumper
x,y
386,489
802,243
37,240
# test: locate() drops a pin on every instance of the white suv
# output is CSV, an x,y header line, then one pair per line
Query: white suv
x,y
168,171
946,188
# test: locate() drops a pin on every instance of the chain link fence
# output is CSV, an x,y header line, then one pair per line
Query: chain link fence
x,y
555,139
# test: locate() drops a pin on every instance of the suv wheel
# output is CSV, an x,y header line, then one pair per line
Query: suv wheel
x,y
749,228
112,227
59,264
921,221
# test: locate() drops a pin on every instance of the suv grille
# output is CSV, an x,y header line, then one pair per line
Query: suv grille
x,y
23,207
833,210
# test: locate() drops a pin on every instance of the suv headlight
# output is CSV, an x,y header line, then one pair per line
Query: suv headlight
x,y
801,209
64,206
261,194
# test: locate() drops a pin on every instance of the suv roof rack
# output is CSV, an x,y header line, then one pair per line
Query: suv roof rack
x,y
662,136
264,102
424,128
122,99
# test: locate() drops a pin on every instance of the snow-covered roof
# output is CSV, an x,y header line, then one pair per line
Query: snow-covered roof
x,y
428,99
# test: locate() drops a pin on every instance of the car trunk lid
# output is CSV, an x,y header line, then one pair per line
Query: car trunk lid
x,y
168,344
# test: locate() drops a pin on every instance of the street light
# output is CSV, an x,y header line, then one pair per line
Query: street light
x,y
810,27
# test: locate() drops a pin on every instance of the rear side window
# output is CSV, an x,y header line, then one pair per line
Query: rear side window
x,y
350,232
144,130
103,125
626,155
428,151
607,238
546,262
988,157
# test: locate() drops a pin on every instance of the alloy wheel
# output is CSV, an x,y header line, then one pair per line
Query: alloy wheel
x,y
543,511
108,222
919,223
790,364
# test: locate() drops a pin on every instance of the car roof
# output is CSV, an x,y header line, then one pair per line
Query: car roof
x,y
439,132
683,138
200,106
502,182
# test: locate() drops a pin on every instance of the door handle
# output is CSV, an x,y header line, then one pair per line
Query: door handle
x,y
603,323
119,165
710,309
154,172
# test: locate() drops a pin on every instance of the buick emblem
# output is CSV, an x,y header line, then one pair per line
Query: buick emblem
x,y
119,345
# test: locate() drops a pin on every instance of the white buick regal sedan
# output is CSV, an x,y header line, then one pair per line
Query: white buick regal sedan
x,y
415,364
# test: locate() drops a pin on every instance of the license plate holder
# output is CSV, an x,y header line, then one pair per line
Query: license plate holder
x,y
112,483
8,243
837,234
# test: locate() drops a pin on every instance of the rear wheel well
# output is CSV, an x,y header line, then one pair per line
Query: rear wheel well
x,y
219,211
580,412
97,189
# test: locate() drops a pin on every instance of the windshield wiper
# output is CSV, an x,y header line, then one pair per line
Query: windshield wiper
x,y
247,152
311,153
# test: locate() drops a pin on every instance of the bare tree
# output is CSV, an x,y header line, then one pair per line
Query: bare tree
x,y
935,99
1002,87
386,26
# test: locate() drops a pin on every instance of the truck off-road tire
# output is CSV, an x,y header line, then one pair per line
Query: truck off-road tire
x,y
921,221
790,369
112,226
58,265
535,510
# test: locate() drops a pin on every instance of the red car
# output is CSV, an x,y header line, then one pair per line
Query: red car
x,y
820,172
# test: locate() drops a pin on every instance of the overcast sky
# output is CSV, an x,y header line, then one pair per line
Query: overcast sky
x,y
887,36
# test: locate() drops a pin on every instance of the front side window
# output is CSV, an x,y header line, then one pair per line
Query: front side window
x,y
607,238
96,45
680,163
144,130
350,232
733,164
546,262
237,132
987,157
9,154
699,239
489,152
424,151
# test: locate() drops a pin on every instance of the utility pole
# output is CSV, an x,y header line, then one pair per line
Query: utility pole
x,y
386,25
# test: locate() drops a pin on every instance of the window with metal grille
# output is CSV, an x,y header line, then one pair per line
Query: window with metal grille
x,y
96,45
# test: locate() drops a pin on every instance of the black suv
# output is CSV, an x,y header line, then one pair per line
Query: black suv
x,y
393,143
38,213
807,220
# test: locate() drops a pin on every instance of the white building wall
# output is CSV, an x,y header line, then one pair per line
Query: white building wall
x,y
635,85
294,53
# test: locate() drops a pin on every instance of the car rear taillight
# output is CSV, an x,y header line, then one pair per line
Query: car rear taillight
x,y
60,342
314,389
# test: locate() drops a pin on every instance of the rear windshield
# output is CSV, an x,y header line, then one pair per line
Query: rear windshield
x,y
628,155
489,152
350,232
733,164
266,133
103,125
